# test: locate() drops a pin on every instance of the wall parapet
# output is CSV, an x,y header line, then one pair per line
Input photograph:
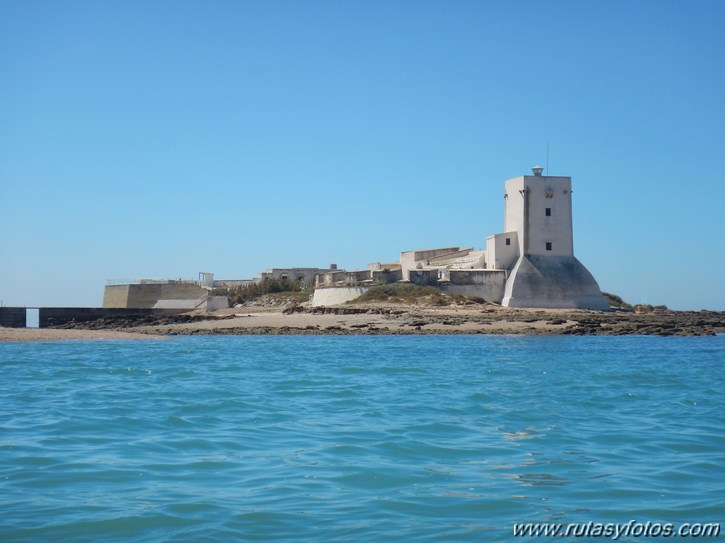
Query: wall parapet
x,y
122,282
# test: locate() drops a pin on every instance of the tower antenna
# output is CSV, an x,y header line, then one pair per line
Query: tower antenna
x,y
547,159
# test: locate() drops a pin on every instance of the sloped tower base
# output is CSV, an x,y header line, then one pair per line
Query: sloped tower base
x,y
555,282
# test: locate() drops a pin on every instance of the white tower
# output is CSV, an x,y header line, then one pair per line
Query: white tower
x,y
546,273
538,208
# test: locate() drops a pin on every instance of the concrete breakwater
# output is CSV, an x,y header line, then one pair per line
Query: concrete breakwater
x,y
17,317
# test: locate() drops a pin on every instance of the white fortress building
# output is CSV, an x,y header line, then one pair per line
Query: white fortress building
x,y
531,264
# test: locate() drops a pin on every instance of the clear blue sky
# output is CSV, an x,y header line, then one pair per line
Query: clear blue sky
x,y
163,138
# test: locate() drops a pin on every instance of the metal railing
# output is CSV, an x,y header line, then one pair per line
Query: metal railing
x,y
112,282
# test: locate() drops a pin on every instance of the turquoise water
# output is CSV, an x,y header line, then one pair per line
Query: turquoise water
x,y
356,438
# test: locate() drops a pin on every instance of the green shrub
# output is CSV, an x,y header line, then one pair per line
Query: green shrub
x,y
252,291
299,296
409,293
616,301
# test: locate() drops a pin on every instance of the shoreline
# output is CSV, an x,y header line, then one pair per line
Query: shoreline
x,y
27,335
384,319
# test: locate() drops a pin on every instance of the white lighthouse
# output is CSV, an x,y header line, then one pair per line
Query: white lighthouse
x,y
537,247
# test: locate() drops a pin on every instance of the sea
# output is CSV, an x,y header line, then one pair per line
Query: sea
x,y
364,439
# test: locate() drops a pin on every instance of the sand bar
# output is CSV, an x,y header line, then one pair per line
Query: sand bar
x,y
385,319
14,335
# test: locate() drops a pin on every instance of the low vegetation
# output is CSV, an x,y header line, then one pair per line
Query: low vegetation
x,y
414,294
648,308
616,301
252,291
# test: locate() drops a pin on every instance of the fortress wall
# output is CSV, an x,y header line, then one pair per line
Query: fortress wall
x,y
149,295
424,277
336,295
13,317
382,266
487,284
359,275
199,303
330,278
553,282
477,277
390,276
144,295
115,296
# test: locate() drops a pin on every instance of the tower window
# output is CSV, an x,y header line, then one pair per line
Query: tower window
x,y
508,241
548,212
548,246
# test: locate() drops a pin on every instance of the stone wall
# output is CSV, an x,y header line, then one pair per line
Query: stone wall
x,y
149,295
115,296
487,284
423,277
341,278
63,315
293,274
13,317
553,282
336,295
390,276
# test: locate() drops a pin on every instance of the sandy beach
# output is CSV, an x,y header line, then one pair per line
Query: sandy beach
x,y
372,319
13,335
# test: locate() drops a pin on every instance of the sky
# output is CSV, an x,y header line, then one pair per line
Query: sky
x,y
160,139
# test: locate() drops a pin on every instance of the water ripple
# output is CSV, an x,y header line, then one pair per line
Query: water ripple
x,y
356,438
